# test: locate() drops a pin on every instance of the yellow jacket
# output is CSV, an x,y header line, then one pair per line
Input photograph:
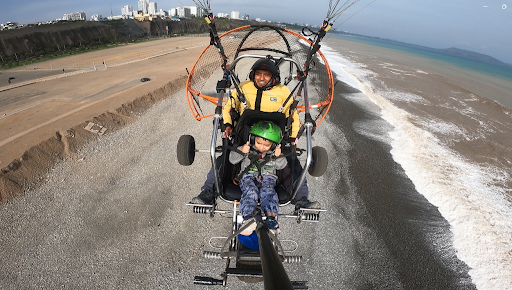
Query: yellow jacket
x,y
271,101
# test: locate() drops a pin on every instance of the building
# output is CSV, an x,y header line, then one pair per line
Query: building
x,y
116,17
162,13
197,11
173,12
10,25
142,17
235,15
74,16
127,10
144,6
193,10
152,8
183,11
96,17
201,12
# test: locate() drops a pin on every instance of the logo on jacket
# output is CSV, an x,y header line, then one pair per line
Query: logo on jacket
x,y
273,99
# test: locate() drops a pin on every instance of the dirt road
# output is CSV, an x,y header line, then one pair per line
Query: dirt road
x,y
59,94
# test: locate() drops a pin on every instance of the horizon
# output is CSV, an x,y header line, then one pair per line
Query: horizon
x,y
478,26
420,46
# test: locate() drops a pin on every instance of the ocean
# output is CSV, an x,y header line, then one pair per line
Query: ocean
x,y
450,124
495,69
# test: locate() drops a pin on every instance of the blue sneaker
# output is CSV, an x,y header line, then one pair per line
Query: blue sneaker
x,y
272,225
249,230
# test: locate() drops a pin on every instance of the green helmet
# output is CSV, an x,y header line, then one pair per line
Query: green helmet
x,y
267,130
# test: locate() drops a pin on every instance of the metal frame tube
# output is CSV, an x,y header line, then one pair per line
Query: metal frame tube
x,y
213,144
309,158
308,126
236,60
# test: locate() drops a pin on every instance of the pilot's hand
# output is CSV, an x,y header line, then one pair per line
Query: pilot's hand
x,y
277,152
245,148
227,131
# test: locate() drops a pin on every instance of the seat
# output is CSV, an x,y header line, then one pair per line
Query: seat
x,y
232,191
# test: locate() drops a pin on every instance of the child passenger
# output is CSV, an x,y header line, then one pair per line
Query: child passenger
x,y
261,157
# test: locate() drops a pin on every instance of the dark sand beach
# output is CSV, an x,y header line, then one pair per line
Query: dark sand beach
x,y
403,220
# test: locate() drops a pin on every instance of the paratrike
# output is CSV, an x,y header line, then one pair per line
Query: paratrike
x,y
219,70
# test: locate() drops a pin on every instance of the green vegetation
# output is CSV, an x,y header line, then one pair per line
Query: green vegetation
x,y
59,51
35,56
114,22
34,26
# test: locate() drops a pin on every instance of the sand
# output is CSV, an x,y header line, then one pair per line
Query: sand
x,y
62,94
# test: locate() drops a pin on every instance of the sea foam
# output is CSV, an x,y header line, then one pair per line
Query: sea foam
x,y
470,196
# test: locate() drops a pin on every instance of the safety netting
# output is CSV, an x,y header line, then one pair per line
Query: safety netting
x,y
260,40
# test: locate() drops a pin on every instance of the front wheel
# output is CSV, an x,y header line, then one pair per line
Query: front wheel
x,y
186,150
320,160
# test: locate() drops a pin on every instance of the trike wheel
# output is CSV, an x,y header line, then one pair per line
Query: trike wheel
x,y
186,150
319,163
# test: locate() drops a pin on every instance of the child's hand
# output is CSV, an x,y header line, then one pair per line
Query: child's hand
x,y
245,148
278,151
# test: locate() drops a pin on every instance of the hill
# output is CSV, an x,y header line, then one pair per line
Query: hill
x,y
452,50
32,44
472,55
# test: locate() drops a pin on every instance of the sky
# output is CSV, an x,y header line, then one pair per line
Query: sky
x,y
481,26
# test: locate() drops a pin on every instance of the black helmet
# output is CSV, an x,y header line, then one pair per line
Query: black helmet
x,y
268,65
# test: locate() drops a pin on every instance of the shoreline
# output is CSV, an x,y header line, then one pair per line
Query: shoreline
x,y
461,60
451,144
488,86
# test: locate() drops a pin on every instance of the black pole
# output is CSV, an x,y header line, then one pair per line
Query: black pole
x,y
274,275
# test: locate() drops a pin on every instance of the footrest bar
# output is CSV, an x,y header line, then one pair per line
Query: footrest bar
x,y
244,273
200,280
300,284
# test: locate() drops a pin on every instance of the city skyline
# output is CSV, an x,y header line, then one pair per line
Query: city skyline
x,y
479,26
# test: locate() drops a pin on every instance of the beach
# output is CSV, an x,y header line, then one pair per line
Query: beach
x,y
58,98
417,188
87,85
447,132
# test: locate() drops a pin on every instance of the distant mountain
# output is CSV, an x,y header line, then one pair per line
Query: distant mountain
x,y
472,54
451,50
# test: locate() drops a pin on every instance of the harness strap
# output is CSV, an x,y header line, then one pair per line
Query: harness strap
x,y
257,104
259,165
285,102
254,161
289,120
